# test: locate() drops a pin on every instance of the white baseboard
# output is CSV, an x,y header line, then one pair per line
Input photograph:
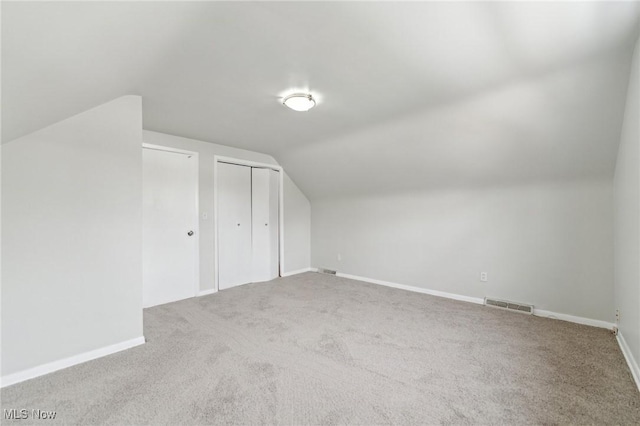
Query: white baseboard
x,y
631,361
205,292
50,367
477,300
572,318
296,272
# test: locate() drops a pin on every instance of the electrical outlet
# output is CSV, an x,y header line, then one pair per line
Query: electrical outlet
x,y
617,316
484,277
339,257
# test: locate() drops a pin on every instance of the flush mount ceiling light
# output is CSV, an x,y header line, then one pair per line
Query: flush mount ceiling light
x,y
299,101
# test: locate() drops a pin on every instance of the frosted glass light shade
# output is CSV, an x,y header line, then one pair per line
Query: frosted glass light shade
x,y
299,102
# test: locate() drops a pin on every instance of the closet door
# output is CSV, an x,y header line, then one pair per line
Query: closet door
x,y
264,198
234,225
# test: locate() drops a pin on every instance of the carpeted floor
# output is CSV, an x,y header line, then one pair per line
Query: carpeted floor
x,y
317,349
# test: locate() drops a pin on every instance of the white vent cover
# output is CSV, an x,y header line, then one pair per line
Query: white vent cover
x,y
510,306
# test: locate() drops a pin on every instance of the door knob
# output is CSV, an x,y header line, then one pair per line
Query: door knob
x,y
190,233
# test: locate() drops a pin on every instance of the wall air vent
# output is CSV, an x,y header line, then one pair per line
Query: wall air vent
x,y
510,306
326,271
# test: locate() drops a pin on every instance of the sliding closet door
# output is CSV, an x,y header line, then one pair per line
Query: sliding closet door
x,y
234,225
274,231
264,204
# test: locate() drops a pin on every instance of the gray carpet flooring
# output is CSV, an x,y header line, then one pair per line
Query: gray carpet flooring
x,y
318,349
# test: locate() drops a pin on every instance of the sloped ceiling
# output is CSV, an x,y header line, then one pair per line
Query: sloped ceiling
x,y
411,95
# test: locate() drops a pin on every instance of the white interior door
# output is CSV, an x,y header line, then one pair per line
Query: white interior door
x,y
264,210
274,224
170,185
234,225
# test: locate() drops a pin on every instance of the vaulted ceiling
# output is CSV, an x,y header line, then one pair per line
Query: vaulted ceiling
x,y
411,95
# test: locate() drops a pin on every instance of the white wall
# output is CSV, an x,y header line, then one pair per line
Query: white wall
x,y
295,214
627,218
297,227
550,245
72,236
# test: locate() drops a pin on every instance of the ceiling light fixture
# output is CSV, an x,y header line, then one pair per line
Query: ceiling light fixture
x,y
299,101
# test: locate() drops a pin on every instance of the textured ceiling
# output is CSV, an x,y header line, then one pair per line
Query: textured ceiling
x,y
411,95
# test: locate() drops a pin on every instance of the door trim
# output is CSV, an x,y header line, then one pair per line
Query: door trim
x,y
222,159
196,266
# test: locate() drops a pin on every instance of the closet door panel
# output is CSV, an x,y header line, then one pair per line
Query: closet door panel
x,y
274,224
234,225
265,202
261,220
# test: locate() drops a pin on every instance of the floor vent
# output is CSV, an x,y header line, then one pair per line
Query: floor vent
x,y
326,271
511,306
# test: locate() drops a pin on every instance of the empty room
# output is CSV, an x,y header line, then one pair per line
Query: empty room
x,y
318,213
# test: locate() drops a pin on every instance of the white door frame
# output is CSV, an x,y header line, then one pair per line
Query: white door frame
x,y
196,288
221,159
